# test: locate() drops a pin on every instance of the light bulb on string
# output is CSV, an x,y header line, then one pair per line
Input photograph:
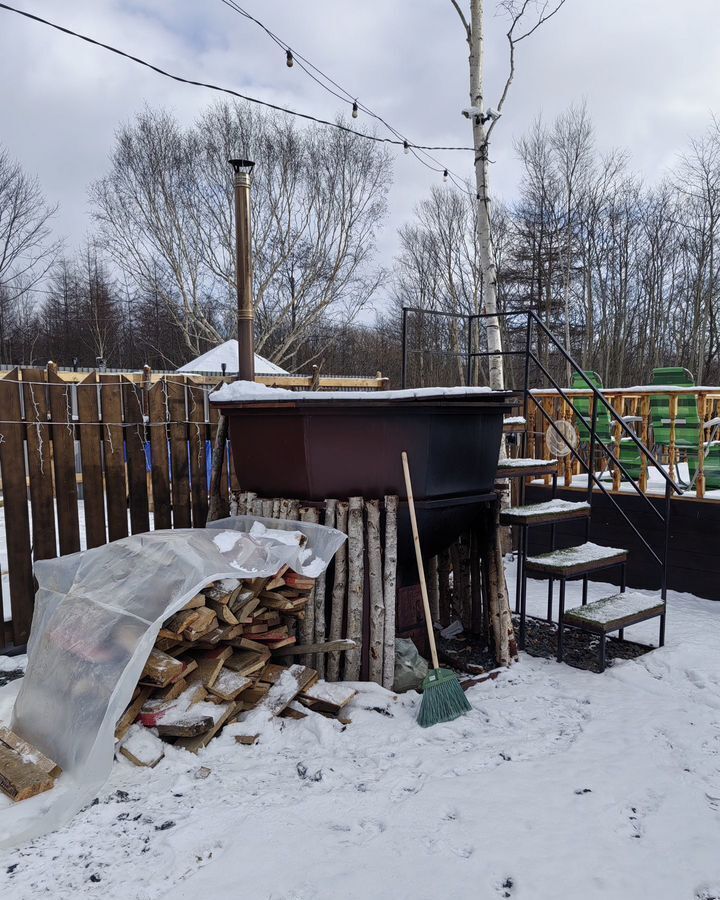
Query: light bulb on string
x,y
355,109
290,62
406,146
445,175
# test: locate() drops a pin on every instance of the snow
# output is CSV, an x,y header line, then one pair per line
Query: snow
x,y
556,505
521,462
227,353
251,391
609,609
331,692
514,420
572,556
566,783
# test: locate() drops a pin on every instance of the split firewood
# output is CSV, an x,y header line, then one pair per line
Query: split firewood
x,y
130,714
327,697
223,612
160,669
247,662
14,742
342,644
195,602
247,739
20,777
206,622
142,747
244,643
174,627
293,681
229,685
209,665
193,744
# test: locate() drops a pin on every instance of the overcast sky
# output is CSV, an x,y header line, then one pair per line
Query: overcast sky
x,y
648,69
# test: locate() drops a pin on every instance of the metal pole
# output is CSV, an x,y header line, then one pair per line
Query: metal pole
x,y
403,377
243,269
468,374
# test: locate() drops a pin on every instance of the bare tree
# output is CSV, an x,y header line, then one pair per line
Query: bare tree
x,y
319,196
525,17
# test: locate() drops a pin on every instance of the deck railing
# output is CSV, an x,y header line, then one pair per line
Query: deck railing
x,y
633,405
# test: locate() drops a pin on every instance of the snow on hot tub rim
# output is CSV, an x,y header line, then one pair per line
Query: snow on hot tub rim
x,y
246,392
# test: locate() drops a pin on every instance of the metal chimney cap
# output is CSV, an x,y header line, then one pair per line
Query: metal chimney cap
x,y
239,164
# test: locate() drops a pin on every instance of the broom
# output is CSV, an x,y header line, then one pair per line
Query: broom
x,y
443,699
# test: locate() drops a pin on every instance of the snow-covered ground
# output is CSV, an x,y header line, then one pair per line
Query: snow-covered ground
x,y
560,784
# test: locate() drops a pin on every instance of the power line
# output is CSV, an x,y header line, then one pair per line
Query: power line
x,y
220,89
348,97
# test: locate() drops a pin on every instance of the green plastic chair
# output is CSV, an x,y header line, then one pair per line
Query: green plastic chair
x,y
688,427
582,404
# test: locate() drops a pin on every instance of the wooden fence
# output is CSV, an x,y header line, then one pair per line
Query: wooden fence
x,y
90,458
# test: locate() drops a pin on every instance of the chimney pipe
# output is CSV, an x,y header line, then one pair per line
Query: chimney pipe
x,y
243,269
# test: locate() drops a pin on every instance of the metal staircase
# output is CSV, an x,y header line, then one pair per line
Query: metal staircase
x,y
612,613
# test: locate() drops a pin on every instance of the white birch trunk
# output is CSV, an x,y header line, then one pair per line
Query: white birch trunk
x,y
337,611
307,624
482,186
375,584
356,584
389,590
320,593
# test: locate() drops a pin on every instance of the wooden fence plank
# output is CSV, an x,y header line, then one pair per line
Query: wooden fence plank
x,y
198,456
63,440
157,411
93,487
15,503
114,456
214,417
180,482
135,448
42,502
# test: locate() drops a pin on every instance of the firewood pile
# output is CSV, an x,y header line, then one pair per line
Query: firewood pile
x,y
228,651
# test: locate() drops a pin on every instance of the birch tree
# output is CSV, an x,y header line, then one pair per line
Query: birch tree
x,y
525,17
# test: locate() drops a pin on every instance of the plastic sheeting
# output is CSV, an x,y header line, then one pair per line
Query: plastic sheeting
x,y
97,615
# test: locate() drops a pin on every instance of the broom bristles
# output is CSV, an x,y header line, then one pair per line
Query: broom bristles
x,y
443,699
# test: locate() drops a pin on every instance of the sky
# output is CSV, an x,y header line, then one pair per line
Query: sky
x,y
649,71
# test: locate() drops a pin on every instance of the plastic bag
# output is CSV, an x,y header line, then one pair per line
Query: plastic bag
x,y
97,614
410,667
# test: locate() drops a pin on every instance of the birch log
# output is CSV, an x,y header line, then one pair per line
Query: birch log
x,y
293,510
307,624
375,584
390,590
320,593
337,611
356,584
267,508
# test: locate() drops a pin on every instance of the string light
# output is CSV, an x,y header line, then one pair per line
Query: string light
x,y
355,109
445,175
290,62
406,146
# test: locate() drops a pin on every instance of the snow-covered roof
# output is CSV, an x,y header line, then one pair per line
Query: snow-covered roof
x,y
249,391
227,353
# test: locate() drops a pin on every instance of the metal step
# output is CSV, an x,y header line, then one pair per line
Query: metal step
x,y
614,613
555,510
521,467
575,560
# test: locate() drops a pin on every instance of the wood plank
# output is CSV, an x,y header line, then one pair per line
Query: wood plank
x,y
197,743
160,669
198,457
42,501
63,441
131,713
294,681
114,456
157,412
19,745
180,482
12,468
91,456
214,417
19,778
136,466
320,647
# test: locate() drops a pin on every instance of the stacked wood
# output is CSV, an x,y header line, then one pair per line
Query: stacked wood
x,y
24,770
219,657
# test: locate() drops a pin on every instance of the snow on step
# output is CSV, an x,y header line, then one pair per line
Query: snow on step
x,y
575,556
521,463
549,507
611,609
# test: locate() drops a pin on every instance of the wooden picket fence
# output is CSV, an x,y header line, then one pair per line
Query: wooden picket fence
x,y
89,460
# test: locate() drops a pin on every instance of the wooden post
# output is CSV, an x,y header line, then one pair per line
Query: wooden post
x,y
390,590
644,435
375,584
356,584
218,505
700,484
617,475
672,453
337,611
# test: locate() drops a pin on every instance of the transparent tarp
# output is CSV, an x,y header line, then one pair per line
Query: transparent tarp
x,y
97,615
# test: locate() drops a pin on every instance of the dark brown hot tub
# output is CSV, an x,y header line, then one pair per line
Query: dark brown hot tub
x,y
343,445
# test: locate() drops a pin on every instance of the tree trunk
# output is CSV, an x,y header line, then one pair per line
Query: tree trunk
x,y
389,590
337,611
375,583
482,185
356,585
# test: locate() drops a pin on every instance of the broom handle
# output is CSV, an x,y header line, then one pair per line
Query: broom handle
x,y
421,567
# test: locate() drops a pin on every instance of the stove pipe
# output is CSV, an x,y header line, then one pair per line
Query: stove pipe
x,y
243,268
